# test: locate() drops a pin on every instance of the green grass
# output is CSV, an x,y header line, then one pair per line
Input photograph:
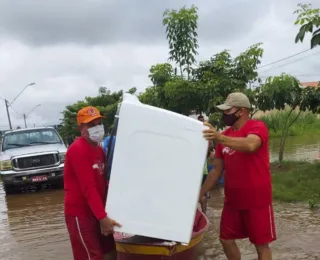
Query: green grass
x,y
307,123
297,182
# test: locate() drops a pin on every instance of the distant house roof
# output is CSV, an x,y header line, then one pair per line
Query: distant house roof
x,y
310,84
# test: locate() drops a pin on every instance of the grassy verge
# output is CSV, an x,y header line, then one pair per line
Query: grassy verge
x,y
297,182
307,123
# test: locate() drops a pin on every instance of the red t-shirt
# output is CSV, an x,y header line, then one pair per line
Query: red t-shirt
x,y
247,178
84,180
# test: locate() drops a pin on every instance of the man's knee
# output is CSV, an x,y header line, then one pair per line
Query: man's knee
x,y
111,255
262,248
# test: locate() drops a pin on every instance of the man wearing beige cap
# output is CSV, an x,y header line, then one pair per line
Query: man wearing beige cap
x,y
242,150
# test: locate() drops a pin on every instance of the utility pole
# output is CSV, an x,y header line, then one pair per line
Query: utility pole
x,y
25,120
9,104
26,115
8,114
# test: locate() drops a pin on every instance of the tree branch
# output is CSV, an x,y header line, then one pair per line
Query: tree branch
x,y
252,114
295,119
306,13
286,121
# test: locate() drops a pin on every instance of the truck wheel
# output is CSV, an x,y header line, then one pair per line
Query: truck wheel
x,y
9,189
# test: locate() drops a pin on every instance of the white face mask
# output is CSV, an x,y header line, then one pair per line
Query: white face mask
x,y
96,133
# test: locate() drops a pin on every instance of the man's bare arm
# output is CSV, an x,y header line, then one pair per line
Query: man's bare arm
x,y
212,178
248,144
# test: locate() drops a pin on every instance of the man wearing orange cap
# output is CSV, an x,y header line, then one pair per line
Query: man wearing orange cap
x,y
85,185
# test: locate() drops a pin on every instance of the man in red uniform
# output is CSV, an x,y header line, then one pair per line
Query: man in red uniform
x,y
85,185
243,152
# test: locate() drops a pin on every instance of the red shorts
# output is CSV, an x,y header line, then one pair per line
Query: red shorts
x,y
255,224
86,239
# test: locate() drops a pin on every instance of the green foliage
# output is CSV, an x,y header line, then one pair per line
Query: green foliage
x,y
253,95
183,96
153,96
106,102
285,91
297,182
160,74
208,86
309,20
307,123
282,92
181,32
279,92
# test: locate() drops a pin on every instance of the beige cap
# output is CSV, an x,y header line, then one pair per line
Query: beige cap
x,y
236,99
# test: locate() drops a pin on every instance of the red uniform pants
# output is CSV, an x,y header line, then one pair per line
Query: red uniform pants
x,y
255,224
86,239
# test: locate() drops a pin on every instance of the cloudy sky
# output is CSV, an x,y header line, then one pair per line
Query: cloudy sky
x,y
71,48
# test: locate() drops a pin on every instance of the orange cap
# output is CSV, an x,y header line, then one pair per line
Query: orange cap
x,y
88,114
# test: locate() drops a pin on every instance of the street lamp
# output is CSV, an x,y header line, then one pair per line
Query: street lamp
x,y
26,115
9,104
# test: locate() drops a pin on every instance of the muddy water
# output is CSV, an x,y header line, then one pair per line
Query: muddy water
x,y
32,228
298,232
305,147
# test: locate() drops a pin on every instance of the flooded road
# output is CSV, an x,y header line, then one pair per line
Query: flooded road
x,y
306,147
32,228
298,233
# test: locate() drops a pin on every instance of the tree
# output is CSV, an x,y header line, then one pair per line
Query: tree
x,y
253,95
160,74
309,20
285,92
209,84
181,32
222,75
106,101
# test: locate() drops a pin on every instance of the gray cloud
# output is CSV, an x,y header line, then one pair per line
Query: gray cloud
x,y
71,48
38,22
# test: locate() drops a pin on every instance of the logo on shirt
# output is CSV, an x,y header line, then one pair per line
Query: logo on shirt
x,y
228,151
99,167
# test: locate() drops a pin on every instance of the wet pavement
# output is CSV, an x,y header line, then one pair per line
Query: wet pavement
x,y
32,228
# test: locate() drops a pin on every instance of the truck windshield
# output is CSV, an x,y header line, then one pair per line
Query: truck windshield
x,y
30,137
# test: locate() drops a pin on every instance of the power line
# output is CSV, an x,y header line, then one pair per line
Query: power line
x,y
295,75
286,58
285,64
16,111
307,75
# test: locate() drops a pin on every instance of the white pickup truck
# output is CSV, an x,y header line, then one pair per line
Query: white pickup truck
x,y
31,157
